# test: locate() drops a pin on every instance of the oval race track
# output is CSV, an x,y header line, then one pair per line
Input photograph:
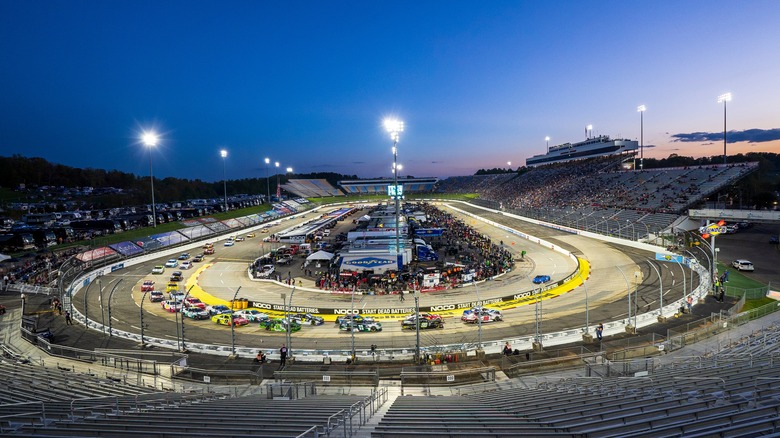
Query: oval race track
x,y
227,270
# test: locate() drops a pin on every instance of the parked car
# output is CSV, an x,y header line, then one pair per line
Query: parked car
x,y
743,265
284,260
159,269
541,279
774,239
172,263
266,271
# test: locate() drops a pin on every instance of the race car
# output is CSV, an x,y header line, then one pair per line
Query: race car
x,y
482,309
486,315
218,309
229,242
307,318
359,319
159,269
239,239
147,286
195,313
171,305
424,320
229,319
250,236
541,279
195,302
184,256
208,251
186,264
198,258
365,327
280,325
176,276
171,263
177,296
253,315
156,296
172,287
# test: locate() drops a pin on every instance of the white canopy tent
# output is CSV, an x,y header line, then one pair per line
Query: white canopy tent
x,y
320,255
4,257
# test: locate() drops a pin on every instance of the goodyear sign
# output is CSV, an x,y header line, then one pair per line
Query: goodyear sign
x,y
369,262
669,258
713,229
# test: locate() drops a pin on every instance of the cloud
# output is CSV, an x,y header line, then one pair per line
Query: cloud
x,y
748,135
649,146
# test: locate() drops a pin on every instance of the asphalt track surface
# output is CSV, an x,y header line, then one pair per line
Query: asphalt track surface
x,y
606,294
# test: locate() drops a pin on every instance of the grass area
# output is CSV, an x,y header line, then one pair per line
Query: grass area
x,y
738,279
753,304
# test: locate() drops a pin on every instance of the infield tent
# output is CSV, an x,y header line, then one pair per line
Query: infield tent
x,y
4,257
320,255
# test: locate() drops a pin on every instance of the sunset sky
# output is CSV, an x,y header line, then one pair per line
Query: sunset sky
x,y
308,83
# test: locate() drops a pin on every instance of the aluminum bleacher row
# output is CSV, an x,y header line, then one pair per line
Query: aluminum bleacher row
x,y
311,188
51,402
734,393
594,195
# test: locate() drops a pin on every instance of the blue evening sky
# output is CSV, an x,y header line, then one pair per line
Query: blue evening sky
x,y
308,83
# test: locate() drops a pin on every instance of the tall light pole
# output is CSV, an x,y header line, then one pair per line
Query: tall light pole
x,y
150,139
509,163
726,97
629,327
641,109
589,130
395,127
278,192
289,170
661,289
547,140
223,154
267,181
417,357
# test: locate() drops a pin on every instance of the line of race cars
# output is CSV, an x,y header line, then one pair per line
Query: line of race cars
x,y
195,309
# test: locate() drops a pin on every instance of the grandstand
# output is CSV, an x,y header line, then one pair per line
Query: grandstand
x,y
311,188
379,186
598,195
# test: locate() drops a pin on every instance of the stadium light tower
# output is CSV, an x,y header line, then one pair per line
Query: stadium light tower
x,y
395,128
547,140
150,139
267,181
724,98
589,130
641,109
278,193
223,154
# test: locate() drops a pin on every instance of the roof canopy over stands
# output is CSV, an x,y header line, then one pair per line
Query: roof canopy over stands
x,y
379,186
311,188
